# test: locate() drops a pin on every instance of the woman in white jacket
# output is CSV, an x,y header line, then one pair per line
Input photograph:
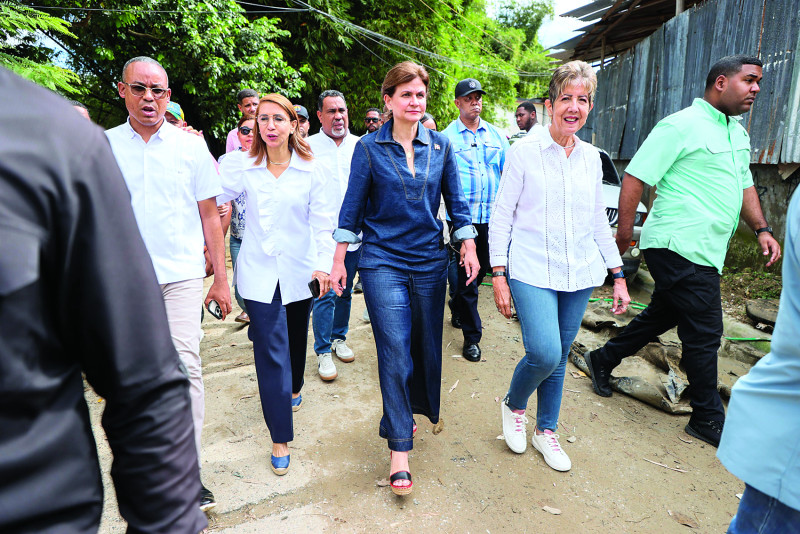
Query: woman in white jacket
x,y
292,205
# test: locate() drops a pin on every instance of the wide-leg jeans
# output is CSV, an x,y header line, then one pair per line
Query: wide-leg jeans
x,y
406,309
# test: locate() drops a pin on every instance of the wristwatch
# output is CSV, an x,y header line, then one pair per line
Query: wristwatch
x,y
765,229
619,274
498,273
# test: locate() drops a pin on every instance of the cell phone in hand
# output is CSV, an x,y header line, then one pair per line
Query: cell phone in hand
x,y
214,309
313,286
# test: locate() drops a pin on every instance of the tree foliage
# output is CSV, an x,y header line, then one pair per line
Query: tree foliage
x,y
208,47
21,51
213,48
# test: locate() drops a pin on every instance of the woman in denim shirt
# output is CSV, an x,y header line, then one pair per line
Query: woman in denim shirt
x,y
397,176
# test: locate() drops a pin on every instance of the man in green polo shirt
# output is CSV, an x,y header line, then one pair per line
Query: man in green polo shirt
x,y
699,159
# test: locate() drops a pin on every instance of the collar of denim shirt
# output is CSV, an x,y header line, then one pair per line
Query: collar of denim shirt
x,y
385,134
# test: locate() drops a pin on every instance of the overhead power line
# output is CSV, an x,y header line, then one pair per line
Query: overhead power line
x,y
385,39
264,9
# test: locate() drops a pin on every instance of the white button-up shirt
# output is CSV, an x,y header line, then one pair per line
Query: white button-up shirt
x,y
549,225
337,159
166,177
288,228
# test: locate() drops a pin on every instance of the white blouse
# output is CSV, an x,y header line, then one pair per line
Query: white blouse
x,y
549,225
289,224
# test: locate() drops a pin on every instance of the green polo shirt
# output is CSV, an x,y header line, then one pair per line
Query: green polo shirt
x,y
700,160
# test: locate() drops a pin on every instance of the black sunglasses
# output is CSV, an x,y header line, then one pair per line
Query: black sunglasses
x,y
372,119
245,130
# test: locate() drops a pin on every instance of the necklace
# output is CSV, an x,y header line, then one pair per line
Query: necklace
x,y
409,155
568,146
287,161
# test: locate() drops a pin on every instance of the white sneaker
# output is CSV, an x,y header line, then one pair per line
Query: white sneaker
x,y
342,351
554,455
514,429
327,371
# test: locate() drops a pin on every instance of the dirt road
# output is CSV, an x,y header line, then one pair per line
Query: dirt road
x,y
466,480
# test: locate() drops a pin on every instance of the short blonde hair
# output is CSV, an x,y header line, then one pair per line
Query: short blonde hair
x,y
571,73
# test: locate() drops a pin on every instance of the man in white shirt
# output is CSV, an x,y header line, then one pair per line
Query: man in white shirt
x,y
333,147
173,185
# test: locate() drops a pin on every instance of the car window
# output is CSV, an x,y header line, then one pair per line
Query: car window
x,y
610,175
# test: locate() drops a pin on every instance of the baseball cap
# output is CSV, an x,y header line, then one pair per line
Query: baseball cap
x,y
302,111
174,109
470,85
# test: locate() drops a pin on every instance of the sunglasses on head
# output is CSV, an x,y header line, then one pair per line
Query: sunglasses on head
x,y
245,130
372,119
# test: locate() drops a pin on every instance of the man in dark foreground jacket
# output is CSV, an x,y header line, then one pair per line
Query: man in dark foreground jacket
x,y
78,293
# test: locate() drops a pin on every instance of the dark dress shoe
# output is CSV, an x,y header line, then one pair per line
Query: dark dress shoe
x,y
207,501
708,431
471,352
455,320
600,375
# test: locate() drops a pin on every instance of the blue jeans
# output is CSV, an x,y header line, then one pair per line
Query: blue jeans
x,y
331,317
550,320
759,513
235,245
406,309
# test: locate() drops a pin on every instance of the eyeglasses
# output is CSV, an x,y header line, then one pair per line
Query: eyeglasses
x,y
372,119
277,119
245,130
140,90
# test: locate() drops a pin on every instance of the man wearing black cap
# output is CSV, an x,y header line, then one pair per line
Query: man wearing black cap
x,y
480,151
303,120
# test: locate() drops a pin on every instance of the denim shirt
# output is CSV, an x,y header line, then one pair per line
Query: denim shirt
x,y
397,210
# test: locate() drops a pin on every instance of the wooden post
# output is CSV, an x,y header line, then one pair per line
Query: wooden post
x,y
602,52
678,7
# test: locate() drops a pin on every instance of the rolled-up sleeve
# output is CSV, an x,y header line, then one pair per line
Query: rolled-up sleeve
x,y
505,204
351,215
454,197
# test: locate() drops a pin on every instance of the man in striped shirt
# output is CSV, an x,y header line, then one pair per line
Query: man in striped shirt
x,y
480,151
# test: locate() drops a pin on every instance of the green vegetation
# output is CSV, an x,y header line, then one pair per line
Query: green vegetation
x,y
212,48
22,52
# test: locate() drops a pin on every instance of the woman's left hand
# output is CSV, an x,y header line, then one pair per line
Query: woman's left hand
x,y
469,260
324,281
620,299
502,295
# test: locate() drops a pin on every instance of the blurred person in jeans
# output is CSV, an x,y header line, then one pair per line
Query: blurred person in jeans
x,y
761,440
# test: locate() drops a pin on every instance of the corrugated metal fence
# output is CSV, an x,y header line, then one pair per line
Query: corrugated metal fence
x,y
666,71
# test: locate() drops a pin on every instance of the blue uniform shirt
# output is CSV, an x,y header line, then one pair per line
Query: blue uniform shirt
x,y
480,157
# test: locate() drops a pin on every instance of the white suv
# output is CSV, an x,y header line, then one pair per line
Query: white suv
x,y
611,187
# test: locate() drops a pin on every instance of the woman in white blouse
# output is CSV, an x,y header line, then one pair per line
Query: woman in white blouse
x,y
549,246
292,205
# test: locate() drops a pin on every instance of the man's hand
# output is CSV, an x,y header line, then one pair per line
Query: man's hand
x,y
629,195
769,247
220,292
469,260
